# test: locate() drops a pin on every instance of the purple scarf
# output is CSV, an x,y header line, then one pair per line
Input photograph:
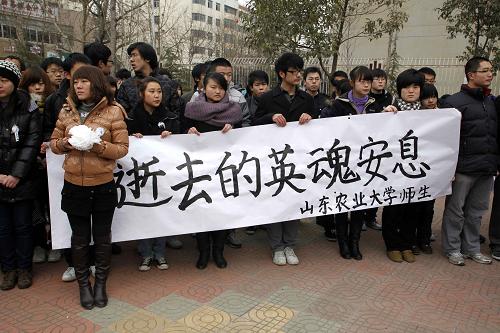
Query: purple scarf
x,y
216,114
358,102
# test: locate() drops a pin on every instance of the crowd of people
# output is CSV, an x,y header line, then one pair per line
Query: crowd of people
x,y
42,105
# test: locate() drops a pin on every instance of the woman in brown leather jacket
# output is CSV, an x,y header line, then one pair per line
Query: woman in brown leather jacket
x,y
89,192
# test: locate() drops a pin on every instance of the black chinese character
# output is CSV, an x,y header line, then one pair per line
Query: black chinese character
x,y
324,205
409,150
375,198
341,201
186,200
358,200
284,177
307,208
235,170
389,195
407,195
423,192
374,160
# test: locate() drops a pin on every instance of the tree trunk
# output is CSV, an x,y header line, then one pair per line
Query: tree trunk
x,y
112,29
338,40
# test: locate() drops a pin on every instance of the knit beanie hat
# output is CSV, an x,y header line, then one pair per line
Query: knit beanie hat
x,y
10,71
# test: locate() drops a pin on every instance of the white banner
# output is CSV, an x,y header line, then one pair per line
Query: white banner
x,y
258,175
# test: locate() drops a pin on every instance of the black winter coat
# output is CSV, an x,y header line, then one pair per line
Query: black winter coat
x,y
160,120
128,94
18,154
53,105
321,101
275,102
383,100
342,106
478,151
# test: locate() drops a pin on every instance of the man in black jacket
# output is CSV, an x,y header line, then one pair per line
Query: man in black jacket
x,y
312,85
283,104
20,138
477,165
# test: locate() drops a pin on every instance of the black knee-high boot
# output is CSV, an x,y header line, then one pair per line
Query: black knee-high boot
x,y
342,236
203,242
80,256
102,266
355,227
218,238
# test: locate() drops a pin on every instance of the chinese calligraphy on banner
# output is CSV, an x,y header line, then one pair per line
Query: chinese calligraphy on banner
x,y
264,174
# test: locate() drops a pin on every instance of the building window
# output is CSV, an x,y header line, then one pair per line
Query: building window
x,y
156,3
210,4
199,2
8,32
217,6
229,38
198,34
210,36
230,10
229,24
209,20
156,19
198,50
198,17
217,22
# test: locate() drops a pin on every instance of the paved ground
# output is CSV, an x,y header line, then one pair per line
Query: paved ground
x,y
323,294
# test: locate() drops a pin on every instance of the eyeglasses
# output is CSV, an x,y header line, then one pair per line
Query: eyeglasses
x,y
295,72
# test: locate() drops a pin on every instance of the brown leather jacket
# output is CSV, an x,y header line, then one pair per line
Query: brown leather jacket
x,y
94,167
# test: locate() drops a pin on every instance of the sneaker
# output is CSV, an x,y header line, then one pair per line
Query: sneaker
x,y
415,250
54,256
374,225
69,275
408,256
291,257
232,240
24,278
161,263
479,258
456,258
495,253
250,230
174,243
39,255
363,227
92,270
395,256
9,280
279,258
330,235
146,264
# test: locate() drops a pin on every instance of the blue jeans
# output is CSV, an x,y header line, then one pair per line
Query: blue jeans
x,y
16,235
152,247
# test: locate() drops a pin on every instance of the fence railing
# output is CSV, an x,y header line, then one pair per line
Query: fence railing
x,y
449,71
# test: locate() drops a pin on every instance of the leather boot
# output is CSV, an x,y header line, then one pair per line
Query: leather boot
x,y
203,241
355,227
218,238
80,254
103,251
341,227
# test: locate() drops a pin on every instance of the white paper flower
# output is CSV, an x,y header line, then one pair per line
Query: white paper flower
x,y
83,137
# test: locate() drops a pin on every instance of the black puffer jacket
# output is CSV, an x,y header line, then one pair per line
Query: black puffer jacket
x,y
152,124
18,153
128,94
342,106
478,151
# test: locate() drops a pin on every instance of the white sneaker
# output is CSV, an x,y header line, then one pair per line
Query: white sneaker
x,y
291,257
279,258
161,263
69,274
146,264
92,270
39,255
54,256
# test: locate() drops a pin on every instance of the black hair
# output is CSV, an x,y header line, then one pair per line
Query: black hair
x,y
257,75
218,62
312,69
198,70
112,81
217,77
51,61
378,72
407,78
166,72
146,51
286,61
21,61
74,58
359,73
143,84
428,91
427,70
344,86
340,73
123,74
473,64
97,51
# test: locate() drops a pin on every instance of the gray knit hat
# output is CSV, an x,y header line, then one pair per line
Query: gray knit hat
x,y
10,71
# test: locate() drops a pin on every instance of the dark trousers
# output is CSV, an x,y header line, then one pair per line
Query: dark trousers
x,y
494,229
326,221
422,213
370,214
349,230
398,228
216,238
16,235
